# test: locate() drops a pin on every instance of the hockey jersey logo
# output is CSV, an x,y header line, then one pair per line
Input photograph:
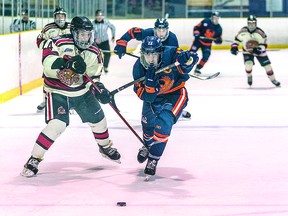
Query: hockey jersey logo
x,y
165,84
250,44
67,77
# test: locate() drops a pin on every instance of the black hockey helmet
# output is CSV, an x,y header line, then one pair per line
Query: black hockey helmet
x,y
85,25
59,10
161,23
60,22
251,22
151,45
161,29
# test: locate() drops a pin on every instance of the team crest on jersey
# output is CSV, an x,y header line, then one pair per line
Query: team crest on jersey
x,y
55,37
68,50
165,84
67,77
61,110
250,44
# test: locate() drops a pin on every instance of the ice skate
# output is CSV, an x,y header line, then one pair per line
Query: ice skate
x,y
275,82
142,154
249,80
197,72
41,106
186,114
31,167
110,153
150,169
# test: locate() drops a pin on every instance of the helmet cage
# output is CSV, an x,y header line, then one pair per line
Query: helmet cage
x,y
151,52
251,23
59,22
215,18
161,29
82,41
80,26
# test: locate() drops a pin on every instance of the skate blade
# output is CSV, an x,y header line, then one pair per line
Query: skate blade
x,y
27,173
116,161
184,119
147,178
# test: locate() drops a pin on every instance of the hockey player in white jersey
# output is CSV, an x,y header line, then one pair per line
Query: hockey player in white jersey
x,y
54,29
67,61
254,43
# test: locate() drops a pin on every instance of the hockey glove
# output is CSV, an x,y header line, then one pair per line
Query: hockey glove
x,y
257,51
234,49
103,95
76,64
218,40
151,80
120,48
187,58
196,35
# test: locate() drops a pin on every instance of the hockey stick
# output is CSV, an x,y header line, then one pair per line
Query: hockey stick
x,y
205,77
116,110
130,54
142,78
213,39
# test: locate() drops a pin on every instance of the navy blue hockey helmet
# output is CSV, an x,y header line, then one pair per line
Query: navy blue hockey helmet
x,y
215,17
79,27
161,28
151,52
251,22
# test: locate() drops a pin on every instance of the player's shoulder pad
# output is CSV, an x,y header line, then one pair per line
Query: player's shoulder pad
x,y
261,32
244,29
63,40
94,49
49,26
169,51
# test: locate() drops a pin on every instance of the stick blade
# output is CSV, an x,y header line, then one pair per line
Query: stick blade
x,y
205,77
213,75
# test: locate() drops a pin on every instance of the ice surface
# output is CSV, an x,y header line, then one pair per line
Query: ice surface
x,y
230,159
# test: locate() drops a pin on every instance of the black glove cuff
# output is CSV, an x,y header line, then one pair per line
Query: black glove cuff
x,y
59,63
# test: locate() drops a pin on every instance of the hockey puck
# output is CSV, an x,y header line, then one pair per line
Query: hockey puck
x,y
121,203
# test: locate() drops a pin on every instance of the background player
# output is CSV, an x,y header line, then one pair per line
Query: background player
x,y
52,30
207,28
161,30
254,43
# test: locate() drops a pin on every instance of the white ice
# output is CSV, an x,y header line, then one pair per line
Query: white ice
x,y
230,159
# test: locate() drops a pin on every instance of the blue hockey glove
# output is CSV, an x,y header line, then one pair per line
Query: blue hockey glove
x,y
120,48
187,58
151,81
103,95
218,40
234,49
150,78
196,35
257,50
